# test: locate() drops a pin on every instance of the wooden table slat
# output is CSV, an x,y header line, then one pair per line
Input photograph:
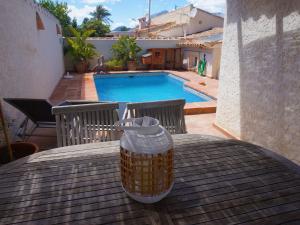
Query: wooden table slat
x,y
216,182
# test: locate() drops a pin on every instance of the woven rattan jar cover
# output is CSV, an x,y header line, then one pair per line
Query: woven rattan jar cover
x,y
146,160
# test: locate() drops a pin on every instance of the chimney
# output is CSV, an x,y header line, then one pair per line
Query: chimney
x,y
142,23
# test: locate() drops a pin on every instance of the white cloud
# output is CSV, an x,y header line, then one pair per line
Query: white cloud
x,y
92,2
107,8
209,5
80,13
133,23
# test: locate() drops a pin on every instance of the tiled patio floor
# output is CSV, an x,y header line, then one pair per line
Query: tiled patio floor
x,y
80,87
203,124
193,81
83,87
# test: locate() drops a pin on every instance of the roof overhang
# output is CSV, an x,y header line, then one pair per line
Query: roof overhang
x,y
196,44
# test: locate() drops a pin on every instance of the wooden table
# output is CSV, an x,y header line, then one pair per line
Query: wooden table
x,y
217,182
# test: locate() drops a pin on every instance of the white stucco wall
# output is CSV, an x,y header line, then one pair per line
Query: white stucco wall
x,y
217,50
178,16
189,55
31,60
259,88
203,21
213,57
103,47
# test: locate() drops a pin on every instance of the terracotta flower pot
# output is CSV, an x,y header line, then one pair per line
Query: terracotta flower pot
x,y
82,67
20,149
131,65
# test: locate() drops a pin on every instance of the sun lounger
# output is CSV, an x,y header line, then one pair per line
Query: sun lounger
x,y
38,111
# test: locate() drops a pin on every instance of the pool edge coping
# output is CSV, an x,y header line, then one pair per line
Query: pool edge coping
x,y
193,108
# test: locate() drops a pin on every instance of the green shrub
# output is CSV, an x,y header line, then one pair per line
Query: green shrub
x,y
114,64
125,49
80,50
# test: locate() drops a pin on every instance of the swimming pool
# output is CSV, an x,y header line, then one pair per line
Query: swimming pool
x,y
144,87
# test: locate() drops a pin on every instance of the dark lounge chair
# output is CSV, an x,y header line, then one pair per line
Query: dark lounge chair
x,y
39,111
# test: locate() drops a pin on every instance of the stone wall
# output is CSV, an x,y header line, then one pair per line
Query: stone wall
x,y
259,89
31,60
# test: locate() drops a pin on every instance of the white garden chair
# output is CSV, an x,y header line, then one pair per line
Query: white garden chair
x,y
80,124
169,113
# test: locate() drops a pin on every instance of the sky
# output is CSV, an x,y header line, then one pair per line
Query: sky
x,y
126,12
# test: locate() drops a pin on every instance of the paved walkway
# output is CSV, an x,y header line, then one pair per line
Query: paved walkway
x,y
196,82
203,124
81,87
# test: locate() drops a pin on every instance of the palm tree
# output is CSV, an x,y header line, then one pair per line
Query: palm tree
x,y
80,50
101,13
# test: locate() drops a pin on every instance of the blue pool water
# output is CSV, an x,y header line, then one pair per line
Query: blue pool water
x,y
143,87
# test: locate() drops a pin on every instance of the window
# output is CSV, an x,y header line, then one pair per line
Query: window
x,y
157,54
39,22
58,31
200,21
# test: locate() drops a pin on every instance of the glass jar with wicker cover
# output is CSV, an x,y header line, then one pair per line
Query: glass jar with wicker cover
x,y
147,155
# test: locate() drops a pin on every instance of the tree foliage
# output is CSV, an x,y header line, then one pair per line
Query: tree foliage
x,y
99,21
102,14
98,26
85,20
122,28
125,49
78,47
74,23
60,10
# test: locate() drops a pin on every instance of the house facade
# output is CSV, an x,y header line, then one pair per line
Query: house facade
x,y
200,34
181,22
202,45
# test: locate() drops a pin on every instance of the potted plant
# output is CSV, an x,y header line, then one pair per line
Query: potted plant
x,y
8,151
126,51
80,50
134,49
18,150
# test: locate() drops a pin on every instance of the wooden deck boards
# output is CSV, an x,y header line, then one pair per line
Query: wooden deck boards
x,y
217,182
